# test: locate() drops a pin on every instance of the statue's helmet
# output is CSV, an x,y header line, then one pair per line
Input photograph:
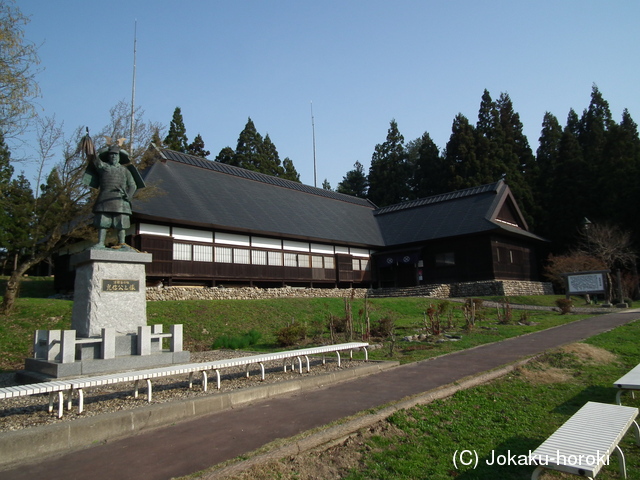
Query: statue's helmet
x,y
123,154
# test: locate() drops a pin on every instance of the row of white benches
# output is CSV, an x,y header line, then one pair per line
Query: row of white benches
x,y
584,443
63,388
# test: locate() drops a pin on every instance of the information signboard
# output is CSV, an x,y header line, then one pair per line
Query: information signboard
x,y
582,283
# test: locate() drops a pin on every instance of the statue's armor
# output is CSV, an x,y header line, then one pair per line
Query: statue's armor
x,y
116,188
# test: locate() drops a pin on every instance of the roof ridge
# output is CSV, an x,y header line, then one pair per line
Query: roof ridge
x,y
441,197
193,160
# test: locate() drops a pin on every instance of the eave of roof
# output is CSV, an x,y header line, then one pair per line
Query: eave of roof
x,y
460,213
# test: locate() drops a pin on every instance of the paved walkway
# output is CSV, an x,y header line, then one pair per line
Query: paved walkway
x,y
200,443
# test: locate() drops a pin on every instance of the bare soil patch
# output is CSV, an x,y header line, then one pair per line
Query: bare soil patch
x,y
541,372
590,353
321,463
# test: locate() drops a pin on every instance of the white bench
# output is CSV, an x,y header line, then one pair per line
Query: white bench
x,y
583,444
58,387
628,382
62,387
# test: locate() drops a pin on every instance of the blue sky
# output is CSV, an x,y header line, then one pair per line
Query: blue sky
x,y
361,63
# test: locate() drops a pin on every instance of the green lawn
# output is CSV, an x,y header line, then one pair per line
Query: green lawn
x,y
511,415
205,321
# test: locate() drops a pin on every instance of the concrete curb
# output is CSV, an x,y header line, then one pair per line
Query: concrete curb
x,y
36,443
334,435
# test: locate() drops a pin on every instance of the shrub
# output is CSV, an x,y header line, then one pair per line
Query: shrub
x,y
433,325
478,302
505,313
383,327
291,334
565,305
244,340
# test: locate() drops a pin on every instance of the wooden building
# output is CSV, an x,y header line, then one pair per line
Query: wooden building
x,y
208,223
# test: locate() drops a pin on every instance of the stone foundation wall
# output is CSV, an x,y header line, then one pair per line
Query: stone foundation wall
x,y
500,287
248,293
465,290
512,288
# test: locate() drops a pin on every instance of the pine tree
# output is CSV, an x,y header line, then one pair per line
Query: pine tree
x,y
489,143
197,148
270,159
546,170
354,182
516,157
628,151
428,173
622,157
155,138
569,188
249,151
176,139
389,172
326,185
18,208
257,154
290,172
593,132
226,155
460,155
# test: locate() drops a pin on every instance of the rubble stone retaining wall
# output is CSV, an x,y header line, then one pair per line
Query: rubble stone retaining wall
x,y
468,289
500,287
248,293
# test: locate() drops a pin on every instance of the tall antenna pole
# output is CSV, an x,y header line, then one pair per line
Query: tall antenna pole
x,y
133,88
313,129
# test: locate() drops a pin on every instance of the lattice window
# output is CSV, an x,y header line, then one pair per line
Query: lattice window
x,y
241,255
202,253
258,257
182,251
224,255
316,262
275,258
290,260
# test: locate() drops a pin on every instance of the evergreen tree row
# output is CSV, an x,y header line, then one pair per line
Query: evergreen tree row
x,y
588,168
177,139
259,154
252,152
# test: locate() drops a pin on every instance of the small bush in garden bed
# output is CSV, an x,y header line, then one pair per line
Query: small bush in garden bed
x,y
291,334
564,304
238,342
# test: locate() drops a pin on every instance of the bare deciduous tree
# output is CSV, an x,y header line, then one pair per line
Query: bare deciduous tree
x,y
62,207
608,243
18,59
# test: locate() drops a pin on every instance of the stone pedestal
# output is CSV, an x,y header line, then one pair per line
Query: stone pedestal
x,y
109,291
109,330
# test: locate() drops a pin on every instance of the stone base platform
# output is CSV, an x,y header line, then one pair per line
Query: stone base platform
x,y
38,370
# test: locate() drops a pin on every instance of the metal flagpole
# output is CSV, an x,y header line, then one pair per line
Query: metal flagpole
x,y
133,88
313,129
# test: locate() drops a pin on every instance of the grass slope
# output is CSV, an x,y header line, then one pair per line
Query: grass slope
x,y
207,320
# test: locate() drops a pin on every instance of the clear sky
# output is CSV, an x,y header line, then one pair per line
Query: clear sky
x,y
361,62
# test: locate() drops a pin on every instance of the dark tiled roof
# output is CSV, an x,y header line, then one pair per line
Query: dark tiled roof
x,y
260,177
458,194
462,212
200,192
214,195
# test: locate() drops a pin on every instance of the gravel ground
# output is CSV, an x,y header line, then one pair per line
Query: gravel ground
x,y
32,411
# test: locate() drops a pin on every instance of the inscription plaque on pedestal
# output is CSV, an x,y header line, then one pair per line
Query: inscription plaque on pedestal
x,y
109,285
